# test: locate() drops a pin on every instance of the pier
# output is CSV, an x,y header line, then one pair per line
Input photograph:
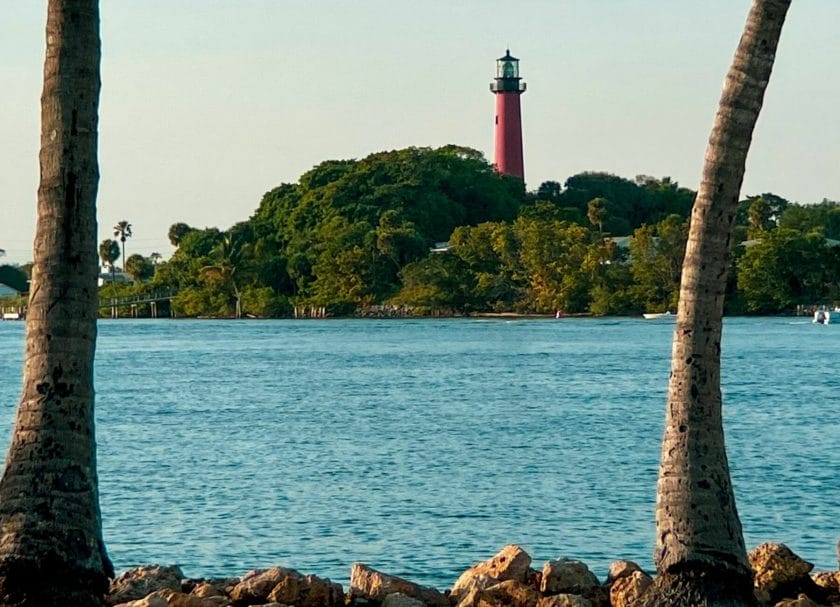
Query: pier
x,y
152,299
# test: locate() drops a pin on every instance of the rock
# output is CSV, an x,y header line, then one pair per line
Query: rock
x,y
512,593
205,587
564,600
171,598
780,573
534,578
801,601
284,586
153,600
628,587
472,598
179,599
762,597
619,569
511,563
775,564
829,583
208,589
145,602
466,585
370,583
567,576
509,593
398,599
256,585
827,579
140,582
307,591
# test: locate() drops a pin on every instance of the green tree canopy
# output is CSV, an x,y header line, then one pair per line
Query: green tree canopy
x,y
14,277
440,282
786,268
139,268
177,231
344,231
822,218
123,230
355,233
656,257
109,252
625,204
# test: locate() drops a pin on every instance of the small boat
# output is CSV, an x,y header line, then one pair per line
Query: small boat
x,y
822,317
12,316
655,315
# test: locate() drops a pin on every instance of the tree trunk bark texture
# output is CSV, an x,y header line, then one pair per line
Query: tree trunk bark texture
x,y
699,541
51,547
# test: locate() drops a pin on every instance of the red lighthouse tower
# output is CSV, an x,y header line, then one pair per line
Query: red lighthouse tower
x,y
508,87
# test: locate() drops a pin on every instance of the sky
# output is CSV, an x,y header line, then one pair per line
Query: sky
x,y
208,104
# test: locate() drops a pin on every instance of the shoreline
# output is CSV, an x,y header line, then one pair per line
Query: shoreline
x,y
507,579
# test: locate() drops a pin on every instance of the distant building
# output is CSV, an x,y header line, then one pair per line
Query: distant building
x,y
623,242
106,278
829,242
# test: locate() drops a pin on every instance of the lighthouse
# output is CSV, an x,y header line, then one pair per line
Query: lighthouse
x,y
508,87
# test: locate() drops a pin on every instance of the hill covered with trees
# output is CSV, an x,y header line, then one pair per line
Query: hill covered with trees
x,y
357,236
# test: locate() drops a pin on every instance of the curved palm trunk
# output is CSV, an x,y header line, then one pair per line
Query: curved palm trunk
x,y
51,548
700,553
238,296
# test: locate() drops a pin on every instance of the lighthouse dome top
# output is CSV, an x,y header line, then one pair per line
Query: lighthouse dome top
x,y
508,56
507,66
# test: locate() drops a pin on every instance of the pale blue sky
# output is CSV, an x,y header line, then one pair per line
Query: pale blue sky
x,y
208,104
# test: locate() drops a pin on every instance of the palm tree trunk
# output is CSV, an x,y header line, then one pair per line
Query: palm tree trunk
x,y
700,553
51,548
237,294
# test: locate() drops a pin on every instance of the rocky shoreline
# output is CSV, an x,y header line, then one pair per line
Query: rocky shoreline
x,y
507,579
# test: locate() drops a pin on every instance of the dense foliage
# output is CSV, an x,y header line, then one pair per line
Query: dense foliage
x,y
14,277
425,230
340,236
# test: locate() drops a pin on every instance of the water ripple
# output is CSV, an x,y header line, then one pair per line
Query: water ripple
x,y
422,446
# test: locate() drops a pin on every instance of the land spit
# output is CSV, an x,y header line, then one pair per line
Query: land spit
x,y
781,578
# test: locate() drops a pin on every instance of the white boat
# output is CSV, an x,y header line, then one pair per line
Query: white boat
x,y
655,315
12,316
822,317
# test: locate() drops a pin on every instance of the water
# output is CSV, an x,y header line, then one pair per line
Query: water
x,y
422,446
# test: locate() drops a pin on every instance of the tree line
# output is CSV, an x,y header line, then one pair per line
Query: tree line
x,y
354,235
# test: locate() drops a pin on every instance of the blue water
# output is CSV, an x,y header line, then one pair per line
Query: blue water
x,y
422,446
